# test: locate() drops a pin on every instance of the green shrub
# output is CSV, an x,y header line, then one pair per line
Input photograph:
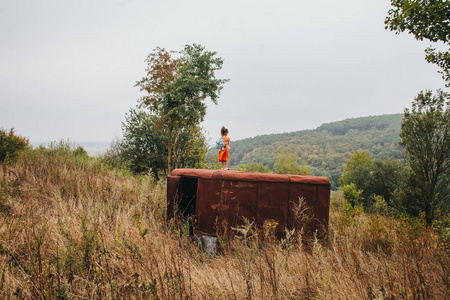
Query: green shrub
x,y
11,144
352,194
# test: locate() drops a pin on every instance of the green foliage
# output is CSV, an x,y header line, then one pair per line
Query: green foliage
x,y
425,136
357,173
113,156
386,177
80,151
286,163
326,149
380,205
381,123
425,19
375,178
424,192
194,149
176,91
211,159
254,167
352,194
11,144
357,170
144,145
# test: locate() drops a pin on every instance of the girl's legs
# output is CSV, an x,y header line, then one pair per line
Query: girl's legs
x,y
224,165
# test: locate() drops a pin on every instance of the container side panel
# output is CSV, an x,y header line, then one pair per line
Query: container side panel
x,y
174,185
323,196
272,204
238,201
301,196
323,206
321,219
208,206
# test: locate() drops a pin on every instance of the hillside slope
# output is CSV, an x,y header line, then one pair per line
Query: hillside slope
x,y
73,227
325,149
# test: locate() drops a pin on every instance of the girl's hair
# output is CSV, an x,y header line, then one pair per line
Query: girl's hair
x,y
223,131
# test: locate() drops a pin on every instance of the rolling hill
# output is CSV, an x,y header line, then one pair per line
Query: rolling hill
x,y
324,149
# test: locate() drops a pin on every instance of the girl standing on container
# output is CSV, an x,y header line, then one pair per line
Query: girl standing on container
x,y
224,154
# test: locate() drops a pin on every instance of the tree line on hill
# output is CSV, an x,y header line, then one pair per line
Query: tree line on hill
x,y
322,151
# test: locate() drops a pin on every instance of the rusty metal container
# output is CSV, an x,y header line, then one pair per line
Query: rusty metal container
x,y
216,197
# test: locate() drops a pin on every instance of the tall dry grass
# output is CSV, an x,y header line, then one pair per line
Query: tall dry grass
x,y
72,228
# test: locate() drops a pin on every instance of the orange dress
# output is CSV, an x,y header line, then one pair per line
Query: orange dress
x,y
224,155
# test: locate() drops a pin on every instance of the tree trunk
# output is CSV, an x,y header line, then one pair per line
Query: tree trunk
x,y
169,152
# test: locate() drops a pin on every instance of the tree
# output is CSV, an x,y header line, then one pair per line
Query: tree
x,y
176,91
356,177
193,148
373,177
425,135
425,19
144,144
357,171
386,178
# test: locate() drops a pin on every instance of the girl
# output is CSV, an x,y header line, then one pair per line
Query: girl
x,y
224,155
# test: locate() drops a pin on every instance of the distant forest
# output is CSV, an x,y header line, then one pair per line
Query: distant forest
x,y
324,150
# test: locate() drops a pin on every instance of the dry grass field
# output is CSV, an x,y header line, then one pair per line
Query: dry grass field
x,y
73,228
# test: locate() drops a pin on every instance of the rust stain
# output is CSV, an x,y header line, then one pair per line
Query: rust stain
x,y
220,206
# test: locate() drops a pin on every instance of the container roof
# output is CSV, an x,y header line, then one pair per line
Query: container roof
x,y
248,176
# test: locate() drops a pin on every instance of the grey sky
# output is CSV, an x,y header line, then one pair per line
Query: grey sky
x,y
68,68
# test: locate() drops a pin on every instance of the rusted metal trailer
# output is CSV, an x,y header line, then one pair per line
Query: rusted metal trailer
x,y
214,198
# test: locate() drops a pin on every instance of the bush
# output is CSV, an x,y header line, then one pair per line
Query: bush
x,y
11,144
352,194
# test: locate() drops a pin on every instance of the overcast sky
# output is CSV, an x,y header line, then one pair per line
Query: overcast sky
x,y
68,68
